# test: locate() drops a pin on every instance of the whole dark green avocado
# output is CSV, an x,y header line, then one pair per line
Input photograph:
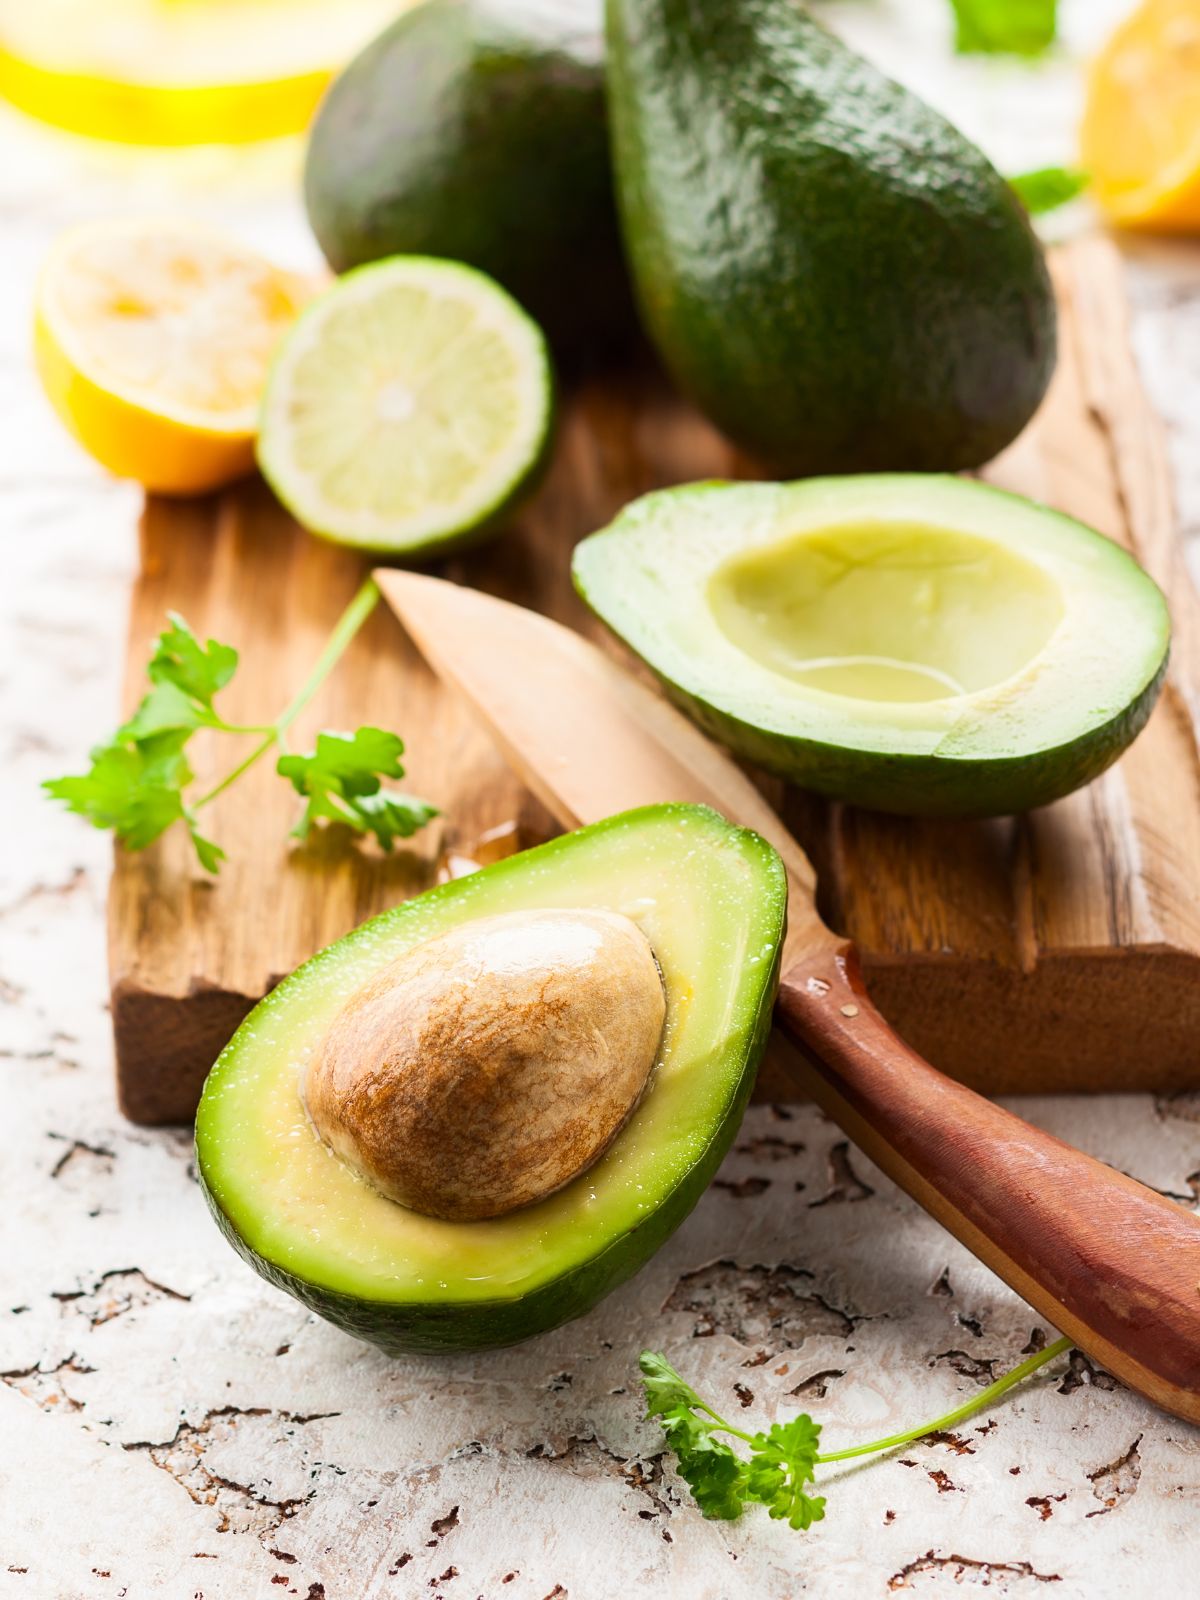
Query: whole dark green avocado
x,y
476,129
832,272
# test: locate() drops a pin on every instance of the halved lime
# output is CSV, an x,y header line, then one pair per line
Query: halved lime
x,y
407,409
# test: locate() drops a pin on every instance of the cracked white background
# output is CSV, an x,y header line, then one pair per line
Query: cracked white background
x,y
170,1426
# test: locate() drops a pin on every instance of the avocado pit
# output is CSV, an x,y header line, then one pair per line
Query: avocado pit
x,y
485,1068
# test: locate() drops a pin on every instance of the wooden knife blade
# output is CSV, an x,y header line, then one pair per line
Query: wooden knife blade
x,y
584,734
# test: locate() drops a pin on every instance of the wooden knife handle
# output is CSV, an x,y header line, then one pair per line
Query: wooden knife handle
x,y
1111,1263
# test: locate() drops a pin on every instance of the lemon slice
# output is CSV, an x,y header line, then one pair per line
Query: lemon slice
x,y
408,409
180,71
153,341
1141,126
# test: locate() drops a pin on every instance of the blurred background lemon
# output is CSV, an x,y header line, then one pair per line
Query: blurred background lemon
x,y
179,72
1140,139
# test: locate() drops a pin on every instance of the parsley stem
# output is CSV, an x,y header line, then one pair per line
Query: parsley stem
x,y
350,621
960,1413
232,777
237,727
721,1426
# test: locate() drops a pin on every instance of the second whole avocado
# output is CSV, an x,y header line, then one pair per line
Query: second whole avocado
x,y
476,130
830,270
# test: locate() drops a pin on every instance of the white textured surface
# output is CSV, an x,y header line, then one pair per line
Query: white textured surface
x,y
169,1426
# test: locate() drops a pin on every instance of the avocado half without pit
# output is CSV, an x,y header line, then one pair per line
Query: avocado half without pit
x,y
916,644
468,1120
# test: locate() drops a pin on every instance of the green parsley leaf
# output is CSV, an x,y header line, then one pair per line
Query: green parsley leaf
x,y
1005,27
134,789
196,670
1048,187
665,1389
346,763
785,1458
163,710
209,854
135,784
391,816
709,1467
782,1461
341,782
184,676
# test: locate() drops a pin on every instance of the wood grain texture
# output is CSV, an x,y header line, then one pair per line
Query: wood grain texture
x,y
1111,1263
188,955
1056,952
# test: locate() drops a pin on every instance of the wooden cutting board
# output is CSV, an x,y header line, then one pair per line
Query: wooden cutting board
x,y
1055,952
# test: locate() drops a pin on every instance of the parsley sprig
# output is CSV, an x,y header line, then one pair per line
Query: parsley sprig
x,y
782,1462
1005,27
340,781
137,780
1047,188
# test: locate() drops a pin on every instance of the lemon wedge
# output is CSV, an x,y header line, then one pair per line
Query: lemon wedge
x,y
1141,126
153,341
174,72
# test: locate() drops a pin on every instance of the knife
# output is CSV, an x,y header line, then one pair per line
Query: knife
x,y
1113,1264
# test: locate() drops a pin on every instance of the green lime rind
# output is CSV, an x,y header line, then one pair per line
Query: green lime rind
x,y
506,477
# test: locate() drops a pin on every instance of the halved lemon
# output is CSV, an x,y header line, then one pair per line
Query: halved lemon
x,y
408,410
153,340
166,72
1141,125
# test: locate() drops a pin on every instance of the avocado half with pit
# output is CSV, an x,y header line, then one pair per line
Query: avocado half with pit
x,y
911,643
710,901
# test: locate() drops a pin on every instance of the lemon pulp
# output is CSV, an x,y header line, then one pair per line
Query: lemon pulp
x,y
153,340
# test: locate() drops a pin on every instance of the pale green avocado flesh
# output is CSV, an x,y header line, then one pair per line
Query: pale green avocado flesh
x,y
912,643
711,899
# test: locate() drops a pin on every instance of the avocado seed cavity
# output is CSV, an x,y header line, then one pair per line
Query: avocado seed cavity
x,y
487,1067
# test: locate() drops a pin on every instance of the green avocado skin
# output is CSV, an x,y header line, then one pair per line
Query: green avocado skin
x,y
476,130
398,1327
399,1330
649,575
831,271
928,786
